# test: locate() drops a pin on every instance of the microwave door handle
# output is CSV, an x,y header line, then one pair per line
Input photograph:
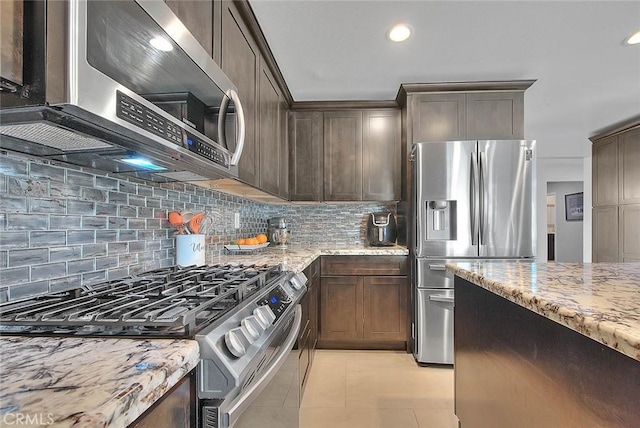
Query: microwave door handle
x,y
233,96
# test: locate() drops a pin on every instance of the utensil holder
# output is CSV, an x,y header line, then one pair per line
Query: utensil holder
x,y
190,250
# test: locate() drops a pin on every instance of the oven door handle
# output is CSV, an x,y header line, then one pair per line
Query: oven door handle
x,y
247,397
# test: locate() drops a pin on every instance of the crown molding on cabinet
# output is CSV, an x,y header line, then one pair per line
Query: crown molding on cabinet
x,y
335,105
497,85
616,128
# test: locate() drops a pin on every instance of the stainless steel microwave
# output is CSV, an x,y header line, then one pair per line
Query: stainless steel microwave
x,y
120,86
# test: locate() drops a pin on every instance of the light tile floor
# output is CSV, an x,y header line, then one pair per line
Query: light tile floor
x,y
376,389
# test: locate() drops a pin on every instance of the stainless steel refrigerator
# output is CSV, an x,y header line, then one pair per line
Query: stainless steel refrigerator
x,y
471,200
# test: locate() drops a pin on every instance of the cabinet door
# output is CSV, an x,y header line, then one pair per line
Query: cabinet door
x,y
495,115
605,172
197,16
629,152
385,308
439,117
629,236
305,155
343,155
314,297
269,144
381,155
283,189
341,308
605,234
240,62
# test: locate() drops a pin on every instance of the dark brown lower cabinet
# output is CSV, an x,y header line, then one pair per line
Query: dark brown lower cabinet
x,y
307,338
363,311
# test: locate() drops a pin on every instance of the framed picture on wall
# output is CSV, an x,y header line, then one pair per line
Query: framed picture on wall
x,y
573,206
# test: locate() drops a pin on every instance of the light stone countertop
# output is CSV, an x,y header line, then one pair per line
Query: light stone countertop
x,y
100,382
297,257
87,382
598,300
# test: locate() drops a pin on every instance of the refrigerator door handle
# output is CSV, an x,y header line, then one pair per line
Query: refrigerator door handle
x,y
482,208
473,199
437,267
442,299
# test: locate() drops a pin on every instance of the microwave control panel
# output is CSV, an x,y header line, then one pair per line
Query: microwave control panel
x,y
137,114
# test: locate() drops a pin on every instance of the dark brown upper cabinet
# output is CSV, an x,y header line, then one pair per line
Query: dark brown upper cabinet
x,y
241,63
306,156
381,155
197,16
272,148
454,116
343,155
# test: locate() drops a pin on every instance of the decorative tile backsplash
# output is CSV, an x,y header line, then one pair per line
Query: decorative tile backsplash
x,y
62,226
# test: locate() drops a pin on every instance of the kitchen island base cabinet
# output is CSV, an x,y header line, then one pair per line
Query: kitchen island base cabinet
x,y
516,368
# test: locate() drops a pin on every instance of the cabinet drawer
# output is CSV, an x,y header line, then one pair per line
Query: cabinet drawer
x,y
364,265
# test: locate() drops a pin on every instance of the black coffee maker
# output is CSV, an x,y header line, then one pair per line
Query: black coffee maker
x,y
381,229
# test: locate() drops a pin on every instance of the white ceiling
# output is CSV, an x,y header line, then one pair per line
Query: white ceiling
x,y
586,78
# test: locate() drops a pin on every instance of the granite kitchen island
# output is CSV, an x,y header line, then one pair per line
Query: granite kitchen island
x,y
541,345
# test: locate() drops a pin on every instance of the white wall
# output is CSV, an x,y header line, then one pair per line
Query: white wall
x,y
562,169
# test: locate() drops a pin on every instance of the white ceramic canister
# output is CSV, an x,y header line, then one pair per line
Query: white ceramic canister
x,y
190,250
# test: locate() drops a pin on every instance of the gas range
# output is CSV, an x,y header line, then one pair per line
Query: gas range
x,y
245,318
167,302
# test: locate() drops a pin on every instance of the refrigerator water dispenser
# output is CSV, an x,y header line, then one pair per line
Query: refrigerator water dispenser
x,y
441,220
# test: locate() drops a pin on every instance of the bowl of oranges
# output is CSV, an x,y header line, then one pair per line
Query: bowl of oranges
x,y
248,244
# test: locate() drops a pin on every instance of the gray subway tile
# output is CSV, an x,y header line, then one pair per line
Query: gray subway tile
x,y
117,273
18,186
3,259
94,277
118,197
66,283
52,206
81,266
47,238
80,178
127,235
106,235
94,250
117,222
48,271
137,223
145,234
15,204
60,254
137,246
153,203
81,207
49,172
160,193
12,166
81,236
64,222
95,195
136,201
144,212
28,257
106,209
127,211
64,190
106,183
27,221
154,223
10,240
89,222
144,190
127,187
30,289
14,275
4,294
117,248
106,262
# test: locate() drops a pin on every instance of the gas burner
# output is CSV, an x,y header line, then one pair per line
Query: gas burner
x,y
172,301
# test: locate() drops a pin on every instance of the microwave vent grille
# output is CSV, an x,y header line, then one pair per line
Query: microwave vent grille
x,y
182,176
52,136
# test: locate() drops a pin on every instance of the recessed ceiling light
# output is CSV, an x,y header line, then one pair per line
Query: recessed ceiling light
x,y
634,39
161,44
399,33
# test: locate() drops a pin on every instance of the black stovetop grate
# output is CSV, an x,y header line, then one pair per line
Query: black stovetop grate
x,y
167,302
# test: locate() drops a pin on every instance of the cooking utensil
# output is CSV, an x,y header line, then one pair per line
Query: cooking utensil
x,y
206,225
186,218
176,220
196,222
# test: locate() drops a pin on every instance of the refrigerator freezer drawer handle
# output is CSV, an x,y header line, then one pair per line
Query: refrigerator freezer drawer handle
x,y
443,299
437,267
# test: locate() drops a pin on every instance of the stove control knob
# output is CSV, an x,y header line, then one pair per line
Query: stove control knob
x,y
298,280
236,342
264,315
252,327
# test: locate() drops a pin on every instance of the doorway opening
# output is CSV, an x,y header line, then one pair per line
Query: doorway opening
x,y
564,221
